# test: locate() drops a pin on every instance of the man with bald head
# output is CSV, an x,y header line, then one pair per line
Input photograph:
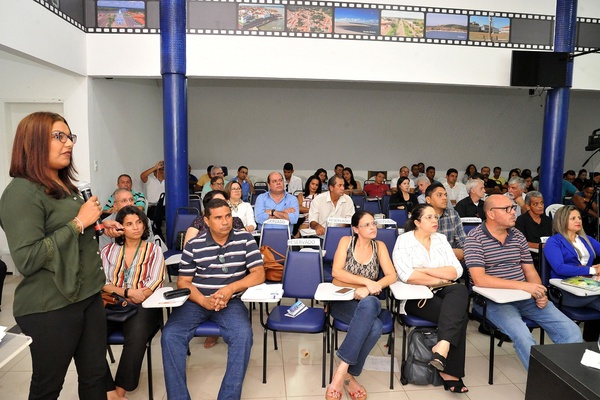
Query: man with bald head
x,y
497,256
276,203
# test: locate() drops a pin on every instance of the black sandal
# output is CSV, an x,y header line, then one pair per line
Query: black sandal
x,y
438,361
455,386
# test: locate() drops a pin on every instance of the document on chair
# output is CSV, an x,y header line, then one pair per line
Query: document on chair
x,y
263,292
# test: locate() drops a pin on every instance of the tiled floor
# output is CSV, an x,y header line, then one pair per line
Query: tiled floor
x,y
289,375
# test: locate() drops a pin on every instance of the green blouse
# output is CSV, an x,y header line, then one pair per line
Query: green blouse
x,y
60,266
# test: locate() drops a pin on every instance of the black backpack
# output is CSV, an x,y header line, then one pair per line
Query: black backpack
x,y
415,368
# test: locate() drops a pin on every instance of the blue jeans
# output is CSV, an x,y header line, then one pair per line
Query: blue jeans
x,y
236,331
572,300
507,317
364,330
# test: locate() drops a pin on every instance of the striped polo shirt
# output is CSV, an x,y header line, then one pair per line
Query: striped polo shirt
x,y
502,260
214,266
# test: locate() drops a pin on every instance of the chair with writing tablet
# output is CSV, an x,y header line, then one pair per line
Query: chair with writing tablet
x,y
117,338
333,234
480,296
302,274
275,233
387,320
576,314
184,216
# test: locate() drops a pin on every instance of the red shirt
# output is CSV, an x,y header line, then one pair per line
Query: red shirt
x,y
376,190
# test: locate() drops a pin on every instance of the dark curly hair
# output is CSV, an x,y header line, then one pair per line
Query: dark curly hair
x,y
132,210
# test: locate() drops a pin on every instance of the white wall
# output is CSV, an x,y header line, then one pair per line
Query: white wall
x,y
263,124
126,130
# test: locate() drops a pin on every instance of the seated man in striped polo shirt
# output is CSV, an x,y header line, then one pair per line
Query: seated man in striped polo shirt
x,y
216,266
498,256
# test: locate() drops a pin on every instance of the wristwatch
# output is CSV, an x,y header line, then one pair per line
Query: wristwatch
x,y
126,292
272,213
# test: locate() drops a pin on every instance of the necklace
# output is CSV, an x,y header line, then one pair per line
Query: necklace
x,y
233,206
129,269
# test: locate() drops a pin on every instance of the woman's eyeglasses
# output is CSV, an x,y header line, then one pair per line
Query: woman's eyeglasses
x,y
62,137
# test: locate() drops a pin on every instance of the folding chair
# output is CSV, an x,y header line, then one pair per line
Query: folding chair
x,y
302,274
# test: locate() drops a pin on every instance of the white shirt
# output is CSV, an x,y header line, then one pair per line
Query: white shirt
x,y
457,193
394,183
322,208
409,253
154,188
245,212
294,185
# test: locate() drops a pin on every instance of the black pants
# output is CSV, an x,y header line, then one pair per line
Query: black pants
x,y
77,331
137,331
448,308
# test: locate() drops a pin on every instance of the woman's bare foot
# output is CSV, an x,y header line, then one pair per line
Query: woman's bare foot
x,y
210,341
112,395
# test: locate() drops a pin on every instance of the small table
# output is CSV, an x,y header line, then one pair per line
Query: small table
x,y
572,289
326,292
11,345
555,372
157,300
407,291
502,295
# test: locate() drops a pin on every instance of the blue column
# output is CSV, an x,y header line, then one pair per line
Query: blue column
x,y
557,108
173,69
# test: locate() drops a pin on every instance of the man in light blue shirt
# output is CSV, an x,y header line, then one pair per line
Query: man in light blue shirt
x,y
276,203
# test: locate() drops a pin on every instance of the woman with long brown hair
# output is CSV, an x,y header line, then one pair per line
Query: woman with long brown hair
x,y
53,244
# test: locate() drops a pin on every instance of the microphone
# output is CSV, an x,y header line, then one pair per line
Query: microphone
x,y
86,192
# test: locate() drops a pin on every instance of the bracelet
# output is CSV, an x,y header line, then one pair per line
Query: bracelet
x,y
126,293
79,223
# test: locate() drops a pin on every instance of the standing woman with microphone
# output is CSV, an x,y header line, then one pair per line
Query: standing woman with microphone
x,y
52,241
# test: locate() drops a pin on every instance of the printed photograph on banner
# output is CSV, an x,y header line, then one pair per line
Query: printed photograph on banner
x,y
261,18
309,19
212,15
489,29
402,23
446,26
121,14
356,21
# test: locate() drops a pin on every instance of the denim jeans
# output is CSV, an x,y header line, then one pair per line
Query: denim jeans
x,y
507,317
236,331
364,330
572,300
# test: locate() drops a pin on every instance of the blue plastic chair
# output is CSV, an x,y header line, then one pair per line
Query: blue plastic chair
x,y
333,234
388,236
400,216
387,320
275,235
302,274
117,338
577,314
184,216
491,328
358,200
